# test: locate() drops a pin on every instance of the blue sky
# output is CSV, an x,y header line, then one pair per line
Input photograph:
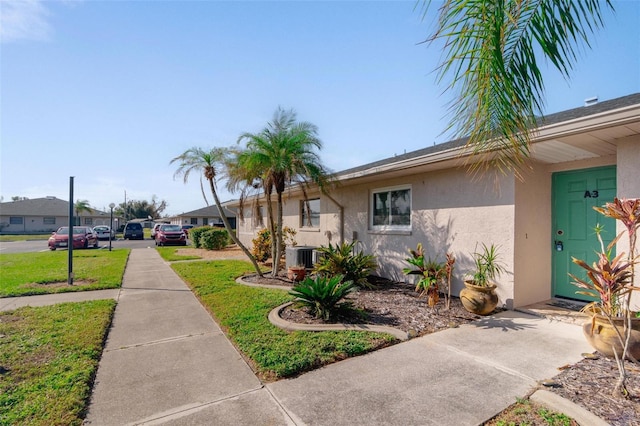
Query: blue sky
x,y
111,91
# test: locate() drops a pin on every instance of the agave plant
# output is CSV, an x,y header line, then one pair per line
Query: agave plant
x,y
322,295
431,273
341,259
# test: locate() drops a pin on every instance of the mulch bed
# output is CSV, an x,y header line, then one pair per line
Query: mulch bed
x,y
389,303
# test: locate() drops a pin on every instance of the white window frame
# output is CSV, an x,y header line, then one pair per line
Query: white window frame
x,y
49,220
303,220
16,220
389,227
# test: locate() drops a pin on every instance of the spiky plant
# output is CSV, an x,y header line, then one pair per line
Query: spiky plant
x,y
341,259
323,295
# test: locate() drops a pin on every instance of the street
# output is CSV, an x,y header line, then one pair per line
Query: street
x,y
41,245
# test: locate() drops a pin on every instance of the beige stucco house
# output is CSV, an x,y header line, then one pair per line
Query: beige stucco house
x,y
209,215
580,158
47,214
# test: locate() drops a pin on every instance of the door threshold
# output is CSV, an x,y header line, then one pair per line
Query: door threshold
x,y
557,309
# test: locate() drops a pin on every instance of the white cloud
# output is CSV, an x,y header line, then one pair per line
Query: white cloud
x,y
23,20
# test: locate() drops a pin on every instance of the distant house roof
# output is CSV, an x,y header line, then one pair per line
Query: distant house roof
x,y
209,211
46,206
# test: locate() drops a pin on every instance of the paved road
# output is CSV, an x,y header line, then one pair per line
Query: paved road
x,y
41,245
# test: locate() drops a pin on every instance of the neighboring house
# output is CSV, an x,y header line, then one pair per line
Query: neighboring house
x,y
205,216
41,215
581,158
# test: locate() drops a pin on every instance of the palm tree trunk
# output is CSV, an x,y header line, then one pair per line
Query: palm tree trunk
x,y
276,261
272,229
232,234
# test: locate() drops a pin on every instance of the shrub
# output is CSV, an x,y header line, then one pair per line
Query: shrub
x,y
214,239
194,235
431,273
322,295
341,260
261,249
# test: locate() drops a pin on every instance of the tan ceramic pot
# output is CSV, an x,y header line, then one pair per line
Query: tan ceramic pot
x,y
602,336
477,299
296,273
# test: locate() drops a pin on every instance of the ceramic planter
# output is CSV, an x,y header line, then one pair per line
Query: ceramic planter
x,y
296,273
480,300
602,336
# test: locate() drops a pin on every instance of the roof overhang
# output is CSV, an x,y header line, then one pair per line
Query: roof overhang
x,y
587,137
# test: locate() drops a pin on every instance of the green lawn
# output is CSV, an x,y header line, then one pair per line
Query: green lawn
x,y
169,254
48,358
23,274
242,312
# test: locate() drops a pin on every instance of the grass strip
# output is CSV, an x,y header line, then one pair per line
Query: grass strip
x,y
242,312
23,274
24,237
48,359
170,254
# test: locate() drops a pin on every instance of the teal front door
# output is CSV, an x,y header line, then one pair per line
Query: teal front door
x,y
575,194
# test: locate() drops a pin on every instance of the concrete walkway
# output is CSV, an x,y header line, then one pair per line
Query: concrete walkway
x,y
167,362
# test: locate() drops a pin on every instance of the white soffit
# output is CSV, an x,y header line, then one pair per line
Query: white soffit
x,y
555,151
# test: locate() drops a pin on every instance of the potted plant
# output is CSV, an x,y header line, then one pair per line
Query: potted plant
x,y
296,272
479,296
613,329
611,280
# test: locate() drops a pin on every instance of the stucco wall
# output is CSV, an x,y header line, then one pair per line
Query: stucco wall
x,y
532,236
628,176
450,213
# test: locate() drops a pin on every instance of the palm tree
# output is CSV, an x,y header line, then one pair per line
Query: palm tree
x,y
82,206
206,162
283,153
491,56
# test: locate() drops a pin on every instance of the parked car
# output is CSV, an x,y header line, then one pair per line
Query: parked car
x,y
133,231
186,228
170,234
155,228
104,232
83,237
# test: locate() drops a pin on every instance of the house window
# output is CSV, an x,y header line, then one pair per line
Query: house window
x,y
391,208
49,220
88,221
194,220
205,221
310,213
15,220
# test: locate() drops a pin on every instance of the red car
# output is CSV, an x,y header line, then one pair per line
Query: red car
x,y
170,234
83,237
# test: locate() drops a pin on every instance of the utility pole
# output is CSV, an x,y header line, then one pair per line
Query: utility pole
x,y
70,241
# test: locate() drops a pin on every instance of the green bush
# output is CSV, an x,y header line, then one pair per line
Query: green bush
x,y
261,248
341,260
322,295
214,239
194,235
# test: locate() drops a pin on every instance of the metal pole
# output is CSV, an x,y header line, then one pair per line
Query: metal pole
x,y
111,206
70,241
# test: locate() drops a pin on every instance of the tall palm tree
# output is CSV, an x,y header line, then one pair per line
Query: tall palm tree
x,y
82,206
491,55
209,163
283,153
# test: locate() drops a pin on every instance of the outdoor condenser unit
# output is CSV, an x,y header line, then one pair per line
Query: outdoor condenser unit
x,y
299,255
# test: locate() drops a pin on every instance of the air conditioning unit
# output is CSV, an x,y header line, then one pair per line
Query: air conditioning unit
x,y
317,256
299,255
